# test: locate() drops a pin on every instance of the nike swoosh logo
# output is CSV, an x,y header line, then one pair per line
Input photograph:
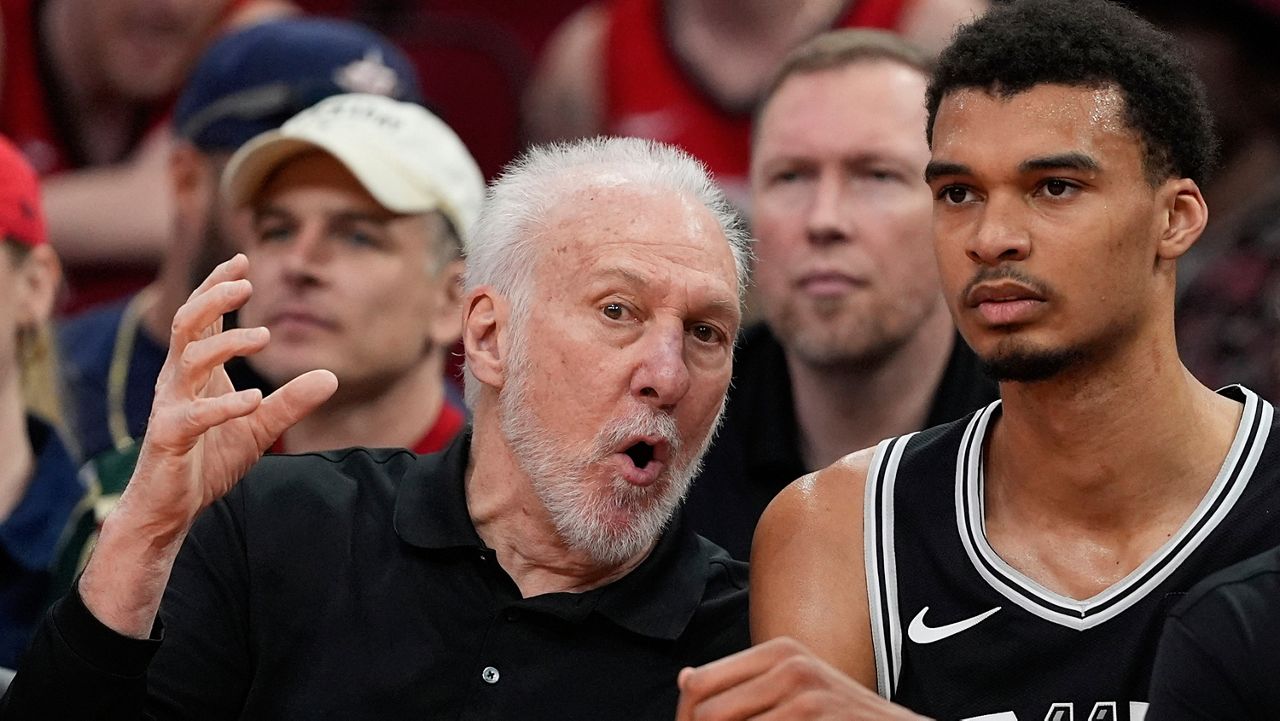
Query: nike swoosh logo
x,y
920,633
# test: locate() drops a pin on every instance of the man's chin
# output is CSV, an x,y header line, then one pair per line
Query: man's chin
x,y
1023,365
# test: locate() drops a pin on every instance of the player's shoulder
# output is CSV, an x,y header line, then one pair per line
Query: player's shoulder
x,y
825,499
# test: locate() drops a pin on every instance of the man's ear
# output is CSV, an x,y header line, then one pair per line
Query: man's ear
x,y
446,321
485,319
39,275
1184,215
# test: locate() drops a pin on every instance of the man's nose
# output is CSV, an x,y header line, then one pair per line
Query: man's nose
x,y
661,376
1000,234
306,253
825,223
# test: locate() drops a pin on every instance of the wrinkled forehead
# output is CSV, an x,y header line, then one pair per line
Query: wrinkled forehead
x,y
598,216
591,226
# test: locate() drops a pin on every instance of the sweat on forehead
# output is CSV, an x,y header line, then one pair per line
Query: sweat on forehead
x,y
1090,44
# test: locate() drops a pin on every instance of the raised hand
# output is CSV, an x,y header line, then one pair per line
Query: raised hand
x,y
202,437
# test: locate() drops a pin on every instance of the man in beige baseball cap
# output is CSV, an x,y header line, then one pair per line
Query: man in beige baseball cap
x,y
361,206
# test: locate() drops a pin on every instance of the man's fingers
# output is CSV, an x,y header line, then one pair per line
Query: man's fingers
x,y
202,356
204,310
732,670
204,413
234,268
291,402
753,696
702,683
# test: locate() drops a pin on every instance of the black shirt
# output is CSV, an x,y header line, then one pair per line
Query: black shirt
x,y
352,585
757,452
1219,656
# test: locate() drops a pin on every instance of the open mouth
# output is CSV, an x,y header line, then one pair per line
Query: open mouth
x,y
641,453
643,462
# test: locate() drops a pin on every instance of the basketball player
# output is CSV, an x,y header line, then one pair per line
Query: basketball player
x,y
1017,564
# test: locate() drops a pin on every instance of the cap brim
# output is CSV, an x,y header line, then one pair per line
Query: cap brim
x,y
254,162
252,166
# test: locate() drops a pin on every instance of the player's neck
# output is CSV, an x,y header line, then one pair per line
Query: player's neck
x,y
1100,447
845,408
512,520
392,414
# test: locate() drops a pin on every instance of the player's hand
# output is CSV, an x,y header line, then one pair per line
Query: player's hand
x,y
779,680
203,434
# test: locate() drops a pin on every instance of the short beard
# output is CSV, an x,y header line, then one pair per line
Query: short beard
x,y
583,511
1022,365
215,247
840,337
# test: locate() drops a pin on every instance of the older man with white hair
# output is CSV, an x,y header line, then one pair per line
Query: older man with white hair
x,y
532,570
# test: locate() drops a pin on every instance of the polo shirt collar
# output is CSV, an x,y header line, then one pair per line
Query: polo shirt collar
x,y
32,532
657,599
431,503
660,596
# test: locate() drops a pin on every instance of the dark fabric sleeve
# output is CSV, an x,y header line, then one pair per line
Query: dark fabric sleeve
x,y
203,670
1198,670
77,668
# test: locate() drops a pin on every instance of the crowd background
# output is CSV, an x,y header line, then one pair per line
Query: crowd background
x,y
504,73
489,67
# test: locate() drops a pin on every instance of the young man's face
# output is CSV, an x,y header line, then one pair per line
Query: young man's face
x,y
342,283
1045,226
846,270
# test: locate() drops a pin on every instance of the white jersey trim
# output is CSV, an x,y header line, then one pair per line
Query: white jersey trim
x,y
881,569
1242,458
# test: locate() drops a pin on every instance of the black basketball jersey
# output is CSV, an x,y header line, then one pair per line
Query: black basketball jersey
x,y
960,634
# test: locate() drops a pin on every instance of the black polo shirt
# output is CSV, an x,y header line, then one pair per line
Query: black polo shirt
x,y
757,452
352,585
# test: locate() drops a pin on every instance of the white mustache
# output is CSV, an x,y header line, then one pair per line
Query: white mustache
x,y
651,424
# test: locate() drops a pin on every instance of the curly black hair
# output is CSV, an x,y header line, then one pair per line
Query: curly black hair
x,y
1092,44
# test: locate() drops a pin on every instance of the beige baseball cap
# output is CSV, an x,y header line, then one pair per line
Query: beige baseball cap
x,y
407,158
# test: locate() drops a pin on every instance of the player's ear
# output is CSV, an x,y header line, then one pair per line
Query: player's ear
x,y
1183,215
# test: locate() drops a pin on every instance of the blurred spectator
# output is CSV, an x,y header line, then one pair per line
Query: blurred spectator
x,y
248,82
488,47
1229,300
857,343
688,72
1220,648
86,86
40,493
361,208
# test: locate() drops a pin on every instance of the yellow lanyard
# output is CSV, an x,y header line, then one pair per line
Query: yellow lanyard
x,y
118,372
